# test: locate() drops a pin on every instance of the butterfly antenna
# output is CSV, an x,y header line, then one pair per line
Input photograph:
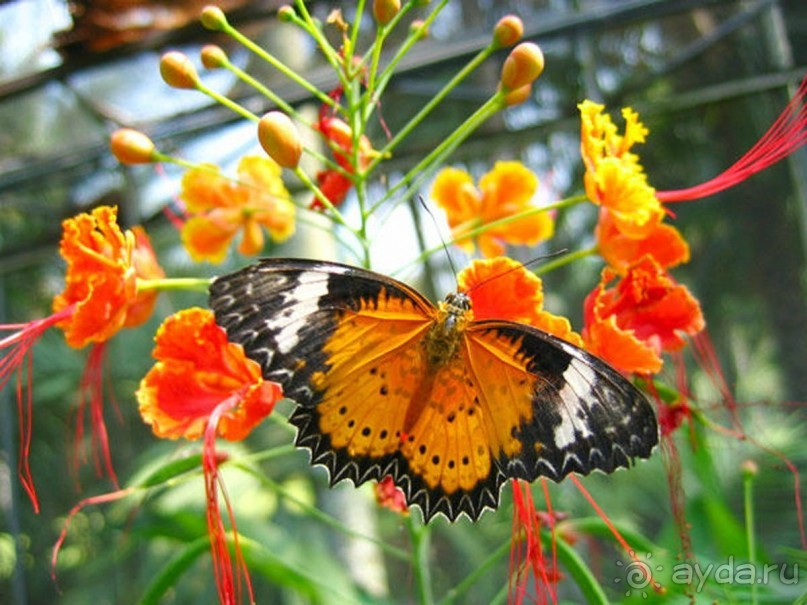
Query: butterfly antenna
x,y
439,234
533,261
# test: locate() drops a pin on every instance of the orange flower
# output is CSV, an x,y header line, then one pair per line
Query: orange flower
x,y
220,208
646,313
614,178
502,288
196,370
504,192
664,243
103,267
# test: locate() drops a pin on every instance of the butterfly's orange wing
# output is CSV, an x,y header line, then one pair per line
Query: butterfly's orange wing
x,y
350,347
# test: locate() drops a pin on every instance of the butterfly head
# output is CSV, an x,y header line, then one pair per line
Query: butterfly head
x,y
452,316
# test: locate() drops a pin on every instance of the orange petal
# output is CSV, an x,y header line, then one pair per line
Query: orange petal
x,y
197,369
205,237
100,281
664,243
509,185
453,190
621,348
146,267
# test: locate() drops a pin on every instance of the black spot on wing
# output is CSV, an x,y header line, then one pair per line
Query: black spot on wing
x,y
359,469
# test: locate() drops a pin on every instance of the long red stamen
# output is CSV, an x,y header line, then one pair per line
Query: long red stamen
x,y
102,499
92,390
615,532
17,353
227,583
786,135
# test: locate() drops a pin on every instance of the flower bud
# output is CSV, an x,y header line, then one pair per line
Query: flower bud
x,y
518,96
214,57
279,138
508,31
524,64
286,13
178,71
132,146
385,10
749,469
417,26
213,18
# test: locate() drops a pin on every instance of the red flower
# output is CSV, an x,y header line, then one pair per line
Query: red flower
x,y
204,385
337,184
647,312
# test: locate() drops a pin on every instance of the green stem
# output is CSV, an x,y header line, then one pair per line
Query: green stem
x,y
281,67
414,36
429,107
565,259
565,203
471,579
228,103
330,54
424,168
420,535
748,501
333,213
200,284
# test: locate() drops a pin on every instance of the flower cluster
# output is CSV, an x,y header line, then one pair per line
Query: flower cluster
x,y
202,387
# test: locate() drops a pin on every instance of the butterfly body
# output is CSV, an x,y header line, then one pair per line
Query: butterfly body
x,y
387,383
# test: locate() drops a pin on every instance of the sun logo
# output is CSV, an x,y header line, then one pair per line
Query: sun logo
x,y
638,575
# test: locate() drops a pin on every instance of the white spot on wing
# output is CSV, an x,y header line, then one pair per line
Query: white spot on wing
x,y
302,301
578,380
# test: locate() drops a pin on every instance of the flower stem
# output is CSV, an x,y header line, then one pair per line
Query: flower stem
x,y
748,502
565,259
228,103
200,284
420,535
426,166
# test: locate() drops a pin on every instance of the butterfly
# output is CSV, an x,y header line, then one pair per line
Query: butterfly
x,y
387,383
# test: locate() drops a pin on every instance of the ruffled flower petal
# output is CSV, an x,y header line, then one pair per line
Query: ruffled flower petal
x,y
196,370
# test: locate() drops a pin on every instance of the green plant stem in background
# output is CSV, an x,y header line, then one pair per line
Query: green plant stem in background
x,y
412,179
464,585
198,284
749,474
226,102
330,54
420,535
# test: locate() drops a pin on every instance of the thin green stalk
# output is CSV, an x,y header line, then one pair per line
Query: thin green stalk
x,y
199,284
228,103
565,259
428,107
280,66
420,535
477,574
325,518
565,203
334,214
413,37
354,34
424,168
330,54
749,473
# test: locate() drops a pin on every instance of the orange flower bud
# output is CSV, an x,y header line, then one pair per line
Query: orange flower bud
x,y
508,31
178,71
131,146
214,57
518,96
213,18
279,138
385,10
524,64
